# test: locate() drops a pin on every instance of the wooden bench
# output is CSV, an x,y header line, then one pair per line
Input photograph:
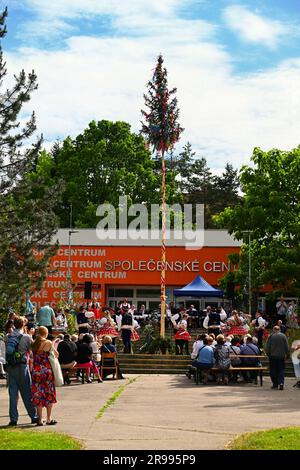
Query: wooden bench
x,y
239,368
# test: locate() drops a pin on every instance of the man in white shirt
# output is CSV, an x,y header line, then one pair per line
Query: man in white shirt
x,y
213,320
259,326
198,345
282,308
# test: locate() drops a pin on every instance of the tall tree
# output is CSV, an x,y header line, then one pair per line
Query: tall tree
x,y
162,129
103,163
199,188
227,188
26,217
183,165
270,209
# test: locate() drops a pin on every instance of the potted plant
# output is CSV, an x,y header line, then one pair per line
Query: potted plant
x,y
161,345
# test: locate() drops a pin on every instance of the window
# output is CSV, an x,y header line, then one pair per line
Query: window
x,y
154,306
119,292
148,293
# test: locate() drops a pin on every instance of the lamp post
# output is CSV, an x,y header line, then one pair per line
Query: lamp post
x,y
249,270
69,287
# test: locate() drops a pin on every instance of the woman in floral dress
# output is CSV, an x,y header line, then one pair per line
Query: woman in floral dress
x,y
43,388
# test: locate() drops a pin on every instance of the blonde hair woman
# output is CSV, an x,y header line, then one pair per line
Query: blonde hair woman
x,y
43,388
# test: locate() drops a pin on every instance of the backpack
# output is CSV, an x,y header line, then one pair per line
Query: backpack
x,y
13,357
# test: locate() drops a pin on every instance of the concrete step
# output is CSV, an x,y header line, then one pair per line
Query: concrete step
x,y
153,371
142,367
169,364
167,357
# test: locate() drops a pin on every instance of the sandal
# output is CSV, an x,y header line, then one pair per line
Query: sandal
x,y
40,424
52,422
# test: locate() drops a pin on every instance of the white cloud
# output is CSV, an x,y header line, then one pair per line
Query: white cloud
x,y
254,28
224,116
75,8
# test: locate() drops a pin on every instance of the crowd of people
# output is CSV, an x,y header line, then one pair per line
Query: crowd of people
x,y
226,346
27,350
238,357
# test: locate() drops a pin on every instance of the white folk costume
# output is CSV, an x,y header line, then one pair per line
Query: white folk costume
x,y
108,327
182,332
237,326
134,335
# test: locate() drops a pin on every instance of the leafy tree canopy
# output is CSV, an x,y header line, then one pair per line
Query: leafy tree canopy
x,y
27,219
270,209
103,163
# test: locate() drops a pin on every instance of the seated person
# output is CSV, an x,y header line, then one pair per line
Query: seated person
x,y
67,350
108,347
250,349
223,363
235,351
85,356
205,358
96,346
197,345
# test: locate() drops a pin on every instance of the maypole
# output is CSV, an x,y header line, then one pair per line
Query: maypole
x,y
162,131
163,245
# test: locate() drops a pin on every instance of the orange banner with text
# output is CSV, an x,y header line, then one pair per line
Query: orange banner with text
x,y
134,266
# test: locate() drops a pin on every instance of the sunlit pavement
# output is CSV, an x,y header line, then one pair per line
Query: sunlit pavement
x,y
165,412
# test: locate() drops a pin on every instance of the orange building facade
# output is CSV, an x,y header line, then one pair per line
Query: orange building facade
x,y
133,272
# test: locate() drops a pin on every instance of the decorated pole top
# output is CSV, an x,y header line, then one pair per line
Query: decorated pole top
x,y
161,126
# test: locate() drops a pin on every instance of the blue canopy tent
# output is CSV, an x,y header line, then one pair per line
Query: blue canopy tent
x,y
198,288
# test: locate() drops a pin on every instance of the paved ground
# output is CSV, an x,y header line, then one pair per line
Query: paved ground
x,y
165,412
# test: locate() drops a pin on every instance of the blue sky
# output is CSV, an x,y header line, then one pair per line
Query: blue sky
x,y
236,65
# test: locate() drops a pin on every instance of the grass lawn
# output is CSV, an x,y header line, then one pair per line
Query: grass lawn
x,y
273,439
11,439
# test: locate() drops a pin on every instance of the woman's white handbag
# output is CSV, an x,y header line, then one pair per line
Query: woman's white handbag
x,y
56,369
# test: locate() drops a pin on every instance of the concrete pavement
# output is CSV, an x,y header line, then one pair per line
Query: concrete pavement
x,y
165,412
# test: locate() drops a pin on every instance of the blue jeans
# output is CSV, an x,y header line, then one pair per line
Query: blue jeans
x,y
201,365
19,380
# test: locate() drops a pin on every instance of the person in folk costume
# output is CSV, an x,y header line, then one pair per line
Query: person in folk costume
x,y
108,326
95,308
236,324
175,318
126,329
134,334
81,321
125,305
259,327
182,337
292,317
113,315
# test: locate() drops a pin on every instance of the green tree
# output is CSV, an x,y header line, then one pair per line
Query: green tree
x,y
26,204
198,188
226,189
270,208
104,162
183,165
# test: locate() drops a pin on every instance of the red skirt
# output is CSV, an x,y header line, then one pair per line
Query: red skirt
x,y
237,331
181,334
134,336
108,330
